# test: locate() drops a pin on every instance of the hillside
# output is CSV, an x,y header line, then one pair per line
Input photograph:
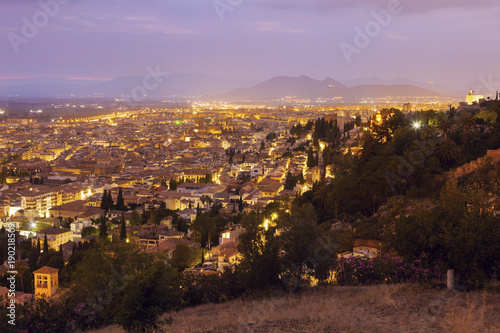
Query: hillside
x,y
308,88
396,308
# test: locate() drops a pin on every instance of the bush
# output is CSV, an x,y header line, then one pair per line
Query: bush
x,y
385,269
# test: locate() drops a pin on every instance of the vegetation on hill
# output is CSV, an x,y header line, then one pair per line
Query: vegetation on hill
x,y
395,191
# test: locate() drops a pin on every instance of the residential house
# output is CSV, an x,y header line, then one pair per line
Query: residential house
x,y
55,237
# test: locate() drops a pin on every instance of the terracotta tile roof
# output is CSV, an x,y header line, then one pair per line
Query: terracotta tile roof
x,y
46,270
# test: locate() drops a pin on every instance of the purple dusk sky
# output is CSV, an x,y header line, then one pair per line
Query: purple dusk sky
x,y
445,41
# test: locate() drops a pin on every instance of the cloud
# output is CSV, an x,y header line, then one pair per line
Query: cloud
x,y
411,6
274,27
393,35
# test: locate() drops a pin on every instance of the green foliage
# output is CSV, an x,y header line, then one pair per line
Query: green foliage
x,y
184,257
172,184
123,228
45,244
135,218
460,231
109,201
299,239
89,231
271,136
312,159
104,200
259,267
103,228
290,181
120,202
152,292
384,270
56,261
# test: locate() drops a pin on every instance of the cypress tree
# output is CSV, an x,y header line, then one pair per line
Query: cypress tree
x,y
120,202
45,244
104,200
103,228
123,231
110,201
38,246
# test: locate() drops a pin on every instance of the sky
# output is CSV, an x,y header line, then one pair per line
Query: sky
x,y
437,41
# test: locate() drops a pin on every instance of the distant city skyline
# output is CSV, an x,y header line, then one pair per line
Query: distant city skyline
x,y
437,42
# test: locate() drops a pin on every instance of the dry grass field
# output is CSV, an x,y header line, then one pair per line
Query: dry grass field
x,y
384,309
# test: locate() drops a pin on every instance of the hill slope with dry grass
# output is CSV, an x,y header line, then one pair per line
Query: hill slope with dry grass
x,y
385,309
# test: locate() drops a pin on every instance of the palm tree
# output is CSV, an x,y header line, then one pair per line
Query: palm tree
x,y
447,151
466,121
206,199
321,194
445,124
21,269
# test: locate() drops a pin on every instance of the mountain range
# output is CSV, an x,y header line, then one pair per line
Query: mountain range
x,y
191,85
304,87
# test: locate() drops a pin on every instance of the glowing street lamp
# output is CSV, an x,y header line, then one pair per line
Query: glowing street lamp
x,y
416,126
266,224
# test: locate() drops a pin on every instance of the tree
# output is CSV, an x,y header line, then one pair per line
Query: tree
x,y
206,199
203,228
103,228
445,124
89,231
152,217
466,121
259,267
38,246
104,200
172,185
120,202
460,231
290,181
262,145
240,204
447,151
184,256
154,291
299,239
110,201
45,244
311,160
123,230
56,261
135,218
21,269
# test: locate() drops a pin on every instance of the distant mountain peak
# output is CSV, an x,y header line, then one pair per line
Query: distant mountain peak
x,y
305,87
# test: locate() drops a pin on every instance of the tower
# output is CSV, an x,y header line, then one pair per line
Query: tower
x,y
316,174
46,281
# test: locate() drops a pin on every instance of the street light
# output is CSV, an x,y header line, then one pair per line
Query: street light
x,y
416,126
